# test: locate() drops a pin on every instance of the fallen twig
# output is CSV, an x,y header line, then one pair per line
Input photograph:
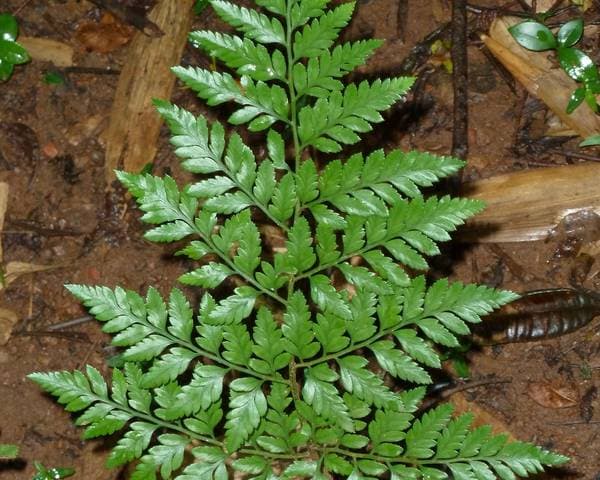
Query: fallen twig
x,y
401,18
70,323
460,134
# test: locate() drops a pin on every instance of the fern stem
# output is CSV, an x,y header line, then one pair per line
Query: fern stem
x,y
159,422
292,92
355,346
249,193
343,258
234,267
203,353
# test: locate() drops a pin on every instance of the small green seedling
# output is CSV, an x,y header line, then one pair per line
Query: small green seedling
x,y
11,53
591,141
579,66
53,78
8,451
43,473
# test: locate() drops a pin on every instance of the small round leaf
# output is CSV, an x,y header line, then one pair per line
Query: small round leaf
x,y
533,36
8,27
570,33
13,53
576,99
576,63
6,70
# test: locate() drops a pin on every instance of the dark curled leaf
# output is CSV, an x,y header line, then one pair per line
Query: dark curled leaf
x,y
540,314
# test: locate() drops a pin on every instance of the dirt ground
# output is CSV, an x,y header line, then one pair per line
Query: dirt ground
x,y
59,213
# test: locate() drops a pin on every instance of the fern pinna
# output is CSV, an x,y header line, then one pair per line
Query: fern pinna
x,y
292,375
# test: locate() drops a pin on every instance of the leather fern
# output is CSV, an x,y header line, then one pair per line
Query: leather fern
x,y
291,374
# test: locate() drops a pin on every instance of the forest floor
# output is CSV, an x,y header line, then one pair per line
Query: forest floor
x,y
62,213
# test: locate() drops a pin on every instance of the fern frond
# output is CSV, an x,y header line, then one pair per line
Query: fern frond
x,y
298,359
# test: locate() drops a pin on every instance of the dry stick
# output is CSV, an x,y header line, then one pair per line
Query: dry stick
x,y
21,7
572,154
445,394
401,17
70,323
460,136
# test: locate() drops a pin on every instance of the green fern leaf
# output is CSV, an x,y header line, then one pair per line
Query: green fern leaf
x,y
362,383
254,25
320,34
320,75
168,367
203,390
248,405
210,275
268,345
274,374
132,445
425,432
168,455
328,298
210,465
398,364
297,328
243,55
323,396
334,121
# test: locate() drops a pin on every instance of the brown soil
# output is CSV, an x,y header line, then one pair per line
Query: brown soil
x,y
60,214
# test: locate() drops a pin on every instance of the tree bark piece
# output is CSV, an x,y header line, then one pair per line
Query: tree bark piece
x,y
134,125
540,77
526,206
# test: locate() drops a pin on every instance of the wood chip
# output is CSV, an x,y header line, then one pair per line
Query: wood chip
x,y
47,50
8,319
134,124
